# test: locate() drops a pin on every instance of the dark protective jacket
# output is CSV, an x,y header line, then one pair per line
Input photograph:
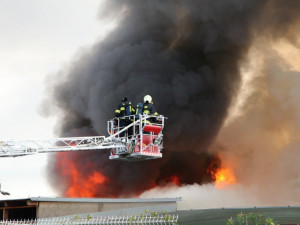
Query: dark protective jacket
x,y
139,110
124,109
146,109
149,109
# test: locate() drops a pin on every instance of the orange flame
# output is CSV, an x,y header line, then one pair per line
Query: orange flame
x,y
79,185
224,177
167,181
85,187
174,180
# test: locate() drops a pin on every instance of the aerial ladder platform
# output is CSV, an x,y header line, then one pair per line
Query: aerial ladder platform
x,y
140,140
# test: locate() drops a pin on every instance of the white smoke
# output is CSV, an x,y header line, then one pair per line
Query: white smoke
x,y
260,139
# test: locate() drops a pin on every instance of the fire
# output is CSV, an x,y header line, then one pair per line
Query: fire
x,y
79,184
224,177
174,180
85,187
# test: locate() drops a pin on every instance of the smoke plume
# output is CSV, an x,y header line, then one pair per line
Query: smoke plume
x,y
188,55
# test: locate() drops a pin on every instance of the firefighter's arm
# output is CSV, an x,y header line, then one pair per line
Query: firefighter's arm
x,y
153,111
118,111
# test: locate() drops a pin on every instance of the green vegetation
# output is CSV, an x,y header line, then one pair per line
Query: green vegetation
x,y
281,215
141,218
250,219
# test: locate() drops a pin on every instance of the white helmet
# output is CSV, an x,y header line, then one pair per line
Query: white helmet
x,y
147,98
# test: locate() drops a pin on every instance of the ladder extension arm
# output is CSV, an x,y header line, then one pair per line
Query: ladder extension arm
x,y
11,148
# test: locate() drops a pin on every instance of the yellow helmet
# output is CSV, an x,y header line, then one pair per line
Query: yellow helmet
x,y
148,99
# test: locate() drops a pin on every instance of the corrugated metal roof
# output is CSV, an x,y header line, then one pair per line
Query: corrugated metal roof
x,y
48,199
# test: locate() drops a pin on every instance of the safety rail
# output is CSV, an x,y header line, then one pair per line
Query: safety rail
x,y
136,124
141,135
127,220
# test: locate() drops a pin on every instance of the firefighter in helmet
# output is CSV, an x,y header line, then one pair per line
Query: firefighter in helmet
x,y
123,113
147,108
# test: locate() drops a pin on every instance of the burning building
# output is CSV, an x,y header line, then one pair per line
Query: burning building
x,y
218,70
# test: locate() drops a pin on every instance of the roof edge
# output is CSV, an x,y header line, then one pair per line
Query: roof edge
x,y
59,199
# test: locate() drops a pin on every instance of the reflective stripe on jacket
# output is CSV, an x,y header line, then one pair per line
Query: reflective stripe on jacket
x,y
120,111
149,109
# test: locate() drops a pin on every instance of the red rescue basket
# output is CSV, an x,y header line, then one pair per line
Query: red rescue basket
x,y
152,128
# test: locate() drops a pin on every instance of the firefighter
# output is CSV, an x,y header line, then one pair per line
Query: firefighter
x,y
139,110
123,114
148,108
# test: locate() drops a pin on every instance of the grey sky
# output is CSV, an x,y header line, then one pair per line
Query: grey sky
x,y
38,37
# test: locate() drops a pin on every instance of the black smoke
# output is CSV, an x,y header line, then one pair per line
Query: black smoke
x,y
187,55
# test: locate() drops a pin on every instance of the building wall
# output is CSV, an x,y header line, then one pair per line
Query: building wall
x,y
59,209
125,205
